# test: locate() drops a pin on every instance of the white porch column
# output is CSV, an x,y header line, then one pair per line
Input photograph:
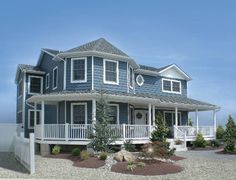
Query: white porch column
x,y
94,113
42,119
35,114
176,116
214,119
196,118
149,117
153,115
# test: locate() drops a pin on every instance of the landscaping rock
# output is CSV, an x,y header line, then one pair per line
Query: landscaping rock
x,y
124,155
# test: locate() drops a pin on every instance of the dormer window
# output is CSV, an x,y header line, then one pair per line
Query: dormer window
x,y
171,86
78,70
35,84
111,72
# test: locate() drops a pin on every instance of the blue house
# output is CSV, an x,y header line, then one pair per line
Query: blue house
x,y
56,99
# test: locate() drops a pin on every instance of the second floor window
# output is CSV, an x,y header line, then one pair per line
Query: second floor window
x,y
55,78
47,80
111,72
131,77
78,70
35,84
171,86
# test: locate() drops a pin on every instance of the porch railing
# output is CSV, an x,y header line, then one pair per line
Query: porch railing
x,y
192,131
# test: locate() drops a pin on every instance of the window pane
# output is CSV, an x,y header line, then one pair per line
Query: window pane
x,y
168,119
131,77
113,114
31,119
111,73
167,85
176,86
47,80
35,85
55,78
38,117
78,70
79,114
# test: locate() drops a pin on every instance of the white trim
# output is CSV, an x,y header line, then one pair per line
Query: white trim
x,y
140,84
33,110
131,86
180,70
29,82
53,74
72,112
72,67
64,78
172,117
47,79
92,72
118,112
104,72
171,86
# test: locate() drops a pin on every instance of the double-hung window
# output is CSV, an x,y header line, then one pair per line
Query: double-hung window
x,y
35,84
55,78
114,113
78,70
111,72
131,77
47,80
79,113
171,86
31,117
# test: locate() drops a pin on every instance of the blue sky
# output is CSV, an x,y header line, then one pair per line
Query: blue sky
x,y
199,36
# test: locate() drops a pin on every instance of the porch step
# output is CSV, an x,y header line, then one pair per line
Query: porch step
x,y
177,147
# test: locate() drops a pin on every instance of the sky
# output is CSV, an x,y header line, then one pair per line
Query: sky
x,y
199,36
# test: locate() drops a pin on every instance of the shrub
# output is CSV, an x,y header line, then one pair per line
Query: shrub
x,y
103,156
84,155
220,132
157,149
141,164
129,146
230,136
131,167
75,152
200,141
160,132
56,149
215,143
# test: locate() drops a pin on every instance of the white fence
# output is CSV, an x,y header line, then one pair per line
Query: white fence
x,y
7,136
25,151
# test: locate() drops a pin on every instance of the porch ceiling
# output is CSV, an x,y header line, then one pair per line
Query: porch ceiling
x,y
144,99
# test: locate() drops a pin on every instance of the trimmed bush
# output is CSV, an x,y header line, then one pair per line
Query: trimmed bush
x,y
200,141
220,132
56,150
103,156
215,143
84,155
75,152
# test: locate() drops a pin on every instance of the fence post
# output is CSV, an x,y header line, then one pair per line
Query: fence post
x,y
123,127
32,153
66,131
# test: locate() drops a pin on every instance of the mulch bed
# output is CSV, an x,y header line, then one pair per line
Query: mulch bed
x,y
152,168
225,153
92,162
176,158
208,148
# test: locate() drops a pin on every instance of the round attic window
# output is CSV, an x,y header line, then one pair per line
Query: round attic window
x,y
140,80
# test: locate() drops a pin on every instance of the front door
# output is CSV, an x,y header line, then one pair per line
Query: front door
x,y
141,117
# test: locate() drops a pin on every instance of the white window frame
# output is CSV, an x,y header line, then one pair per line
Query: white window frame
x,y
104,72
72,72
53,74
173,119
171,91
118,112
131,85
29,111
72,112
139,84
47,80
41,84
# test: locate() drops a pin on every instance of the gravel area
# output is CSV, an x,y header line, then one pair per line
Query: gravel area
x,y
198,165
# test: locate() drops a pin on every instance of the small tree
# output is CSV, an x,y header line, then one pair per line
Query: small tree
x,y
102,138
230,135
200,141
160,132
220,132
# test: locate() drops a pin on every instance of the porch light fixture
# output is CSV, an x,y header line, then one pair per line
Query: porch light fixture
x,y
140,80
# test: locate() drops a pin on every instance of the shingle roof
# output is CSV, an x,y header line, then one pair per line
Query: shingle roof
x,y
150,68
99,45
52,51
27,68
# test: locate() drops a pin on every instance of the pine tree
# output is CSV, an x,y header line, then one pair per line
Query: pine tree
x,y
102,138
230,136
160,132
